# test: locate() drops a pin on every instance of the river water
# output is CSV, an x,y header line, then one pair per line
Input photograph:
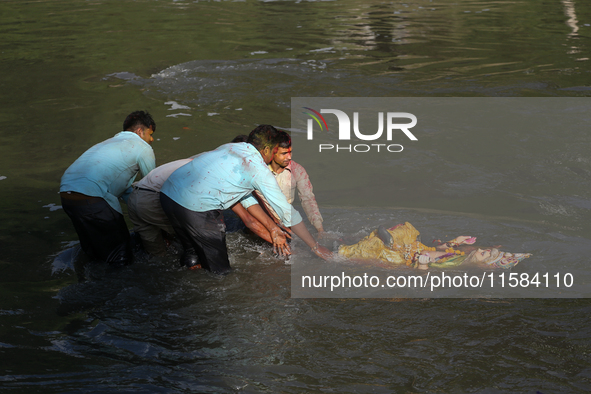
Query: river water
x,y
209,70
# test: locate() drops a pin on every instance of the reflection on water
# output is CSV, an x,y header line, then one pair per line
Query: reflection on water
x,y
572,22
72,70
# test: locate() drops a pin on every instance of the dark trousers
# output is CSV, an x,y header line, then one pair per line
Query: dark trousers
x,y
203,235
102,230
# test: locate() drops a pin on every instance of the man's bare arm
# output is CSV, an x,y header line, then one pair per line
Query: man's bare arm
x,y
301,231
278,236
251,222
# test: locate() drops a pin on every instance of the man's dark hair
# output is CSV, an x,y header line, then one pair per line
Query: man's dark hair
x,y
284,139
263,136
138,118
240,138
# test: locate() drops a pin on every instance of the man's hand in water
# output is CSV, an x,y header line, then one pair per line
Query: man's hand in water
x,y
280,245
322,252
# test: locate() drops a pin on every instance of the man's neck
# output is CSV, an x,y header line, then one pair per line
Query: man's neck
x,y
277,169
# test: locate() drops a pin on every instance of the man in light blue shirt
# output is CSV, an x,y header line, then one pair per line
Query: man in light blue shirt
x,y
194,195
91,187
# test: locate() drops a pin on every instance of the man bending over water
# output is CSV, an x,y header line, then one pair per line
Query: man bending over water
x,y
150,221
291,177
194,195
91,187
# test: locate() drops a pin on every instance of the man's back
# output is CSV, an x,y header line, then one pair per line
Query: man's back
x,y
107,169
156,178
218,179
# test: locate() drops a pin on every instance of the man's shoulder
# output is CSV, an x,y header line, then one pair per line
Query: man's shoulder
x,y
248,153
235,149
124,135
296,168
124,147
130,141
238,147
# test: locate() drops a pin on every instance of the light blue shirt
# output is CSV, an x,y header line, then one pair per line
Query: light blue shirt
x,y
108,169
225,176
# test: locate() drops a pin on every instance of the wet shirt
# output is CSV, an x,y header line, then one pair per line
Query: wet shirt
x,y
156,178
225,176
293,177
108,169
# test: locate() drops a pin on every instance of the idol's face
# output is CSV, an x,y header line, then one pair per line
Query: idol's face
x,y
482,254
